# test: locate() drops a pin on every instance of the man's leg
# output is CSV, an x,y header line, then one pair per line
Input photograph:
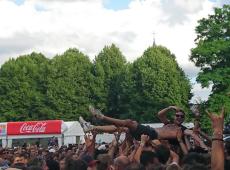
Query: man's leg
x,y
109,129
88,127
132,125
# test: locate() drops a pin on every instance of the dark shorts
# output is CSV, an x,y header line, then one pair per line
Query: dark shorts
x,y
146,130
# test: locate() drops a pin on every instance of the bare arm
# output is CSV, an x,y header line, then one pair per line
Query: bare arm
x,y
162,114
188,145
174,157
89,147
196,138
131,156
182,145
144,139
112,148
217,154
137,154
136,146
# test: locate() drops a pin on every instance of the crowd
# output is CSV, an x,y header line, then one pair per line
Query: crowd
x,y
172,147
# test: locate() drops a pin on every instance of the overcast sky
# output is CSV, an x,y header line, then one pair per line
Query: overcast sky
x,y
53,26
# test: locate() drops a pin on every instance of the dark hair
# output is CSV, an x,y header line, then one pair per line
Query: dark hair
x,y
121,162
157,167
71,164
195,166
34,168
24,155
173,167
104,161
52,164
196,158
135,166
147,157
36,162
163,153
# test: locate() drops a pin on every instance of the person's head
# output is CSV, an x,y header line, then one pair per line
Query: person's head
x,y
195,166
17,159
148,157
162,153
52,164
90,162
71,164
33,152
179,117
193,158
24,158
173,167
135,166
156,167
121,162
34,168
105,161
38,162
62,164
75,156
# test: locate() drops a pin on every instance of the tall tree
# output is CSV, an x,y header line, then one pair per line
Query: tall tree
x,y
23,83
69,86
156,82
109,68
212,55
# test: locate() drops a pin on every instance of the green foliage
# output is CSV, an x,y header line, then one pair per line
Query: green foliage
x,y
33,87
212,55
69,85
109,68
23,84
156,82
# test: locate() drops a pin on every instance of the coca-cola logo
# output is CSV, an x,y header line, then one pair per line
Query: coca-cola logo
x,y
39,127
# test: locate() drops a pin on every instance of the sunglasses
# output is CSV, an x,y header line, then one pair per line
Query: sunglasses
x,y
182,116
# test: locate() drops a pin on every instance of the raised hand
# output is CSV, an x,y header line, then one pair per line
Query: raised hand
x,y
195,110
144,139
217,153
217,121
177,109
117,136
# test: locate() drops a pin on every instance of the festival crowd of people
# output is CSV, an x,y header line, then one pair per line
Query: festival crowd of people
x,y
171,147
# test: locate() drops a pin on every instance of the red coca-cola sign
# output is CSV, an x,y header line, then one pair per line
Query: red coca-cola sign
x,y
34,127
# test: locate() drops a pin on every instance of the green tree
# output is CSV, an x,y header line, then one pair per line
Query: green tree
x,y
212,55
109,70
23,83
69,85
156,81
